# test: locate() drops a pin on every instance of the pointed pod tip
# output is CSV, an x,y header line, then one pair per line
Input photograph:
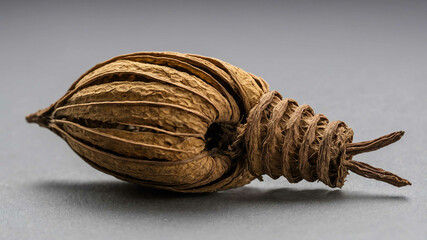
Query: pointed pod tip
x,y
32,118
38,117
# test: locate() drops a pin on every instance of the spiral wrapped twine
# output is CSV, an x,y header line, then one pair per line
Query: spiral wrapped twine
x,y
282,138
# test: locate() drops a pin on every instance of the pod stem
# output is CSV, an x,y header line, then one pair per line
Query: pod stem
x,y
375,144
368,171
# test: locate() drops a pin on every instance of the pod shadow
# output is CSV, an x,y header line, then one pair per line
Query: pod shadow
x,y
125,197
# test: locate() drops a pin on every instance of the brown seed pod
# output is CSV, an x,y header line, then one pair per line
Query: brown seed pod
x,y
190,123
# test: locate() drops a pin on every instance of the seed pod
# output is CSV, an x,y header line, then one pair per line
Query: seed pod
x,y
190,123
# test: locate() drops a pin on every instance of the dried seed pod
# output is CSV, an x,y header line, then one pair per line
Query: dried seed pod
x,y
190,123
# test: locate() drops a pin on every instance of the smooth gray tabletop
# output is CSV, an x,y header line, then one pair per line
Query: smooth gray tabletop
x,y
363,62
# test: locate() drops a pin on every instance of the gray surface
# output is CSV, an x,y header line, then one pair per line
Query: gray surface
x,y
362,62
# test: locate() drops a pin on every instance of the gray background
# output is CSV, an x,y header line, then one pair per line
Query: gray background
x,y
363,62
